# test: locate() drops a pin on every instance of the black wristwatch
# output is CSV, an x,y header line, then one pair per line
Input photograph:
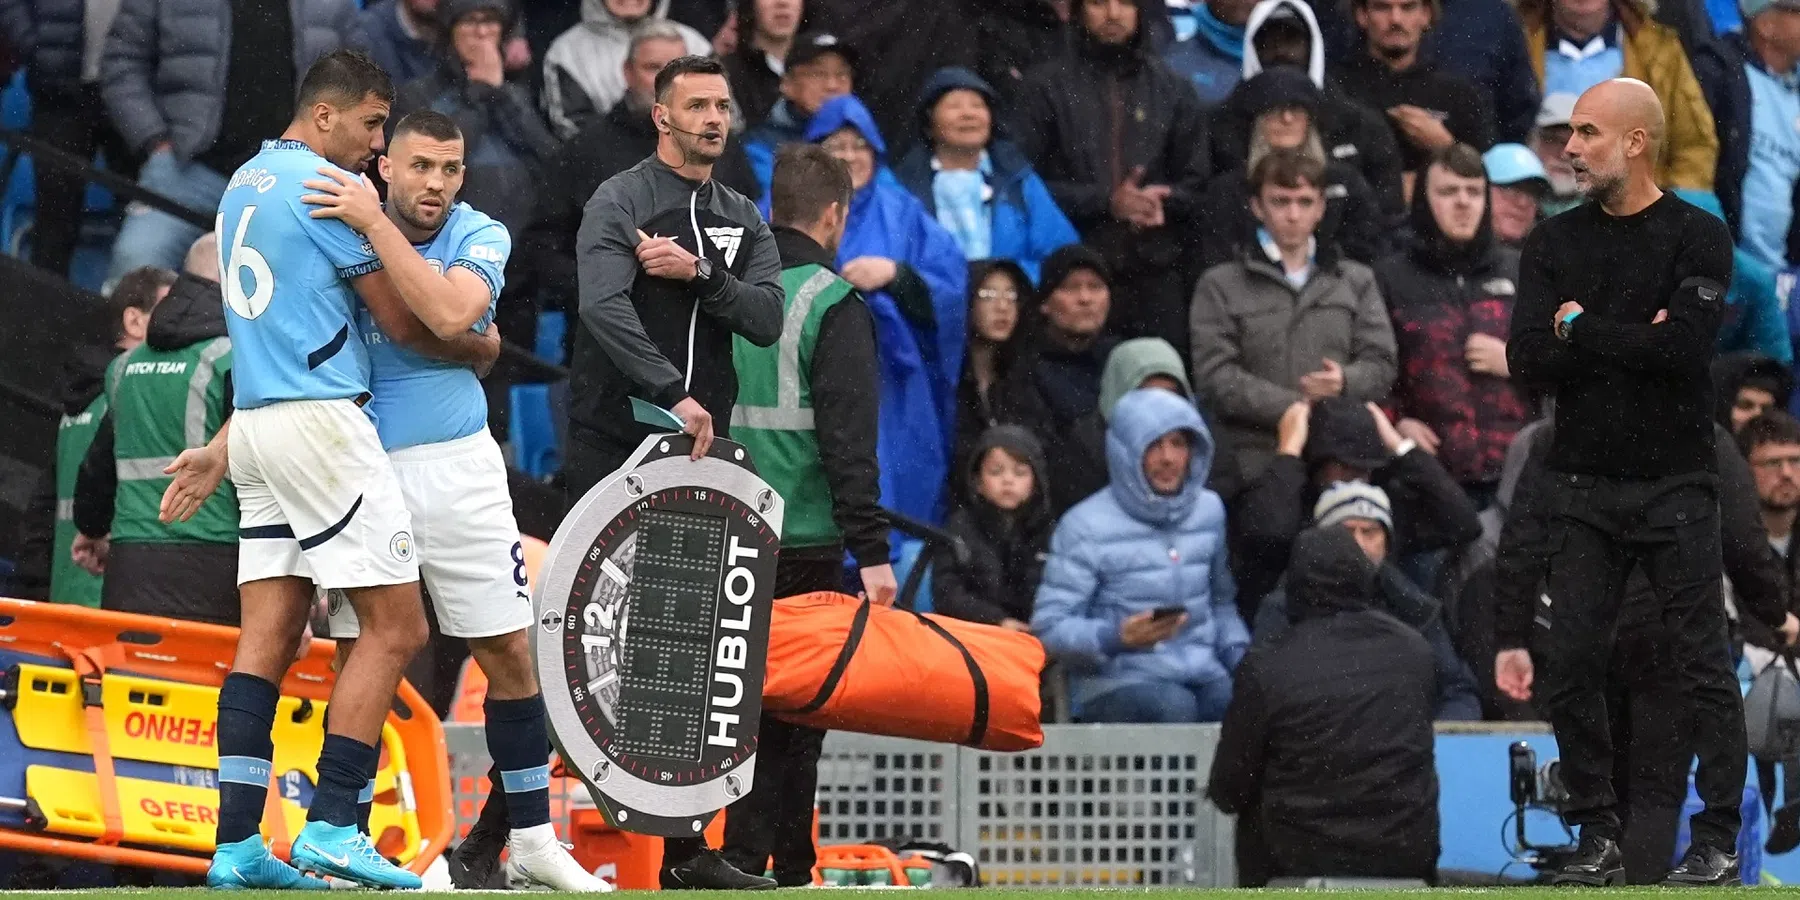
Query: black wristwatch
x,y
703,269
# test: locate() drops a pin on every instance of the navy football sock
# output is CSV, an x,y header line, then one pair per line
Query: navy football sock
x,y
344,767
517,734
246,717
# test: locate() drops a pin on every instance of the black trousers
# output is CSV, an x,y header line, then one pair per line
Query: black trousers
x,y
192,581
1651,765
74,120
1600,529
776,818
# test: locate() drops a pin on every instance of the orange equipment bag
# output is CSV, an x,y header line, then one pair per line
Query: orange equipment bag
x,y
840,663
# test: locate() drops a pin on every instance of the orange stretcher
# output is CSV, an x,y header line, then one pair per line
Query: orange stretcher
x,y
108,750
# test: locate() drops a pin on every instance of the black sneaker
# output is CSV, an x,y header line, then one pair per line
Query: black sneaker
x,y
708,871
1705,866
1784,832
475,866
1596,863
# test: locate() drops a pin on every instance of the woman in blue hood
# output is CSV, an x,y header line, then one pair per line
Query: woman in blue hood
x,y
979,185
913,276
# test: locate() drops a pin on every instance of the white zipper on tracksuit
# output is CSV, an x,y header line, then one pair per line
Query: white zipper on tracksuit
x,y
694,317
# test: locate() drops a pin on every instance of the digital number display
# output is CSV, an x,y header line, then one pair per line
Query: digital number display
x,y
664,654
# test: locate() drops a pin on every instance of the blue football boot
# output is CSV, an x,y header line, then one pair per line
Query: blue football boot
x,y
344,852
248,865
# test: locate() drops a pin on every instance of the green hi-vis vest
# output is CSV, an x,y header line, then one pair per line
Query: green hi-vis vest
x,y
774,413
164,402
70,583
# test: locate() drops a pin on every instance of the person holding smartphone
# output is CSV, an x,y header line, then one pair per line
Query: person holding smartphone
x,y
1137,597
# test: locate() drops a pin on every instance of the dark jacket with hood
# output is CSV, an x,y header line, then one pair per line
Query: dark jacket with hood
x,y
1352,134
1354,220
1025,223
1458,698
1087,120
1327,744
1438,294
755,86
1006,550
507,145
660,339
193,311
1757,573
1431,511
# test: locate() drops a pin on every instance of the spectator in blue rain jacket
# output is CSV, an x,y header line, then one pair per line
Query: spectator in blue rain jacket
x,y
1152,541
978,184
1754,320
913,276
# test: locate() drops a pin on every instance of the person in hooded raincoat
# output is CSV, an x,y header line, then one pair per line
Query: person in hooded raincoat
x,y
975,181
913,276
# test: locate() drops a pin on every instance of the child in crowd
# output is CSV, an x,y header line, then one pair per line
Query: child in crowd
x,y
1006,527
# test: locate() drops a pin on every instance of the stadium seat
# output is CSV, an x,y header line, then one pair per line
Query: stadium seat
x,y
910,550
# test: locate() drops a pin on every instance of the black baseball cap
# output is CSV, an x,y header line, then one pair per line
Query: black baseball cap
x,y
814,44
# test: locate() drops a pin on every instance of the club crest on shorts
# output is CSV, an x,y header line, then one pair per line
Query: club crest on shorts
x,y
653,610
401,546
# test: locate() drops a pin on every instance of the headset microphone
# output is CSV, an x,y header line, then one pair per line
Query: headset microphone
x,y
709,135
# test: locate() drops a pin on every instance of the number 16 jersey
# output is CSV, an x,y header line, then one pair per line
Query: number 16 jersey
x,y
289,305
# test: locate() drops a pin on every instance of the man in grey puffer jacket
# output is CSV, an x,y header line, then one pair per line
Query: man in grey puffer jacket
x,y
163,76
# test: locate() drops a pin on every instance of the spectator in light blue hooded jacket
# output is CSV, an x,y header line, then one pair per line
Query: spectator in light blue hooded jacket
x,y
913,276
1754,320
1154,539
979,185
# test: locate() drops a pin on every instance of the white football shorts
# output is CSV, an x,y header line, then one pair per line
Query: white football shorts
x,y
317,497
467,541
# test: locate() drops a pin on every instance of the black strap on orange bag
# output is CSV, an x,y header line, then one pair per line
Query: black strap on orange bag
x,y
978,720
828,686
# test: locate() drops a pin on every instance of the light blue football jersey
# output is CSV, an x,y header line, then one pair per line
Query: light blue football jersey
x,y
289,306
427,401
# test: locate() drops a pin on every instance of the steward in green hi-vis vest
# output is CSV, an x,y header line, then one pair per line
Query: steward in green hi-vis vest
x,y
170,394
70,583
808,409
164,402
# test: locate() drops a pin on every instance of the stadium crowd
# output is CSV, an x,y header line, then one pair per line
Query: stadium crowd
x,y
1298,226
1302,221
1167,292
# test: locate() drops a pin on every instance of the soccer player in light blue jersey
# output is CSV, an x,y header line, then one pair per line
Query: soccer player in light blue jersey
x,y
432,417
318,498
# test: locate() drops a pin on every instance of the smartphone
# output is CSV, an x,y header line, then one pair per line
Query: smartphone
x,y
1167,612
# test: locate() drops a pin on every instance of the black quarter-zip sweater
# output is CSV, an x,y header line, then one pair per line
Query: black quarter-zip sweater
x,y
661,339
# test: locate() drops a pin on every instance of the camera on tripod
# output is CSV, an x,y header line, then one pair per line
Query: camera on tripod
x,y
1536,787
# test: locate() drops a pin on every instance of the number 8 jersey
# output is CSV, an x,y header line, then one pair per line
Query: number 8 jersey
x,y
289,305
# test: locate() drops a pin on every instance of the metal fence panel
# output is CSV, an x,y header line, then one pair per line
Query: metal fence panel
x,y
1115,805
875,788
1100,805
